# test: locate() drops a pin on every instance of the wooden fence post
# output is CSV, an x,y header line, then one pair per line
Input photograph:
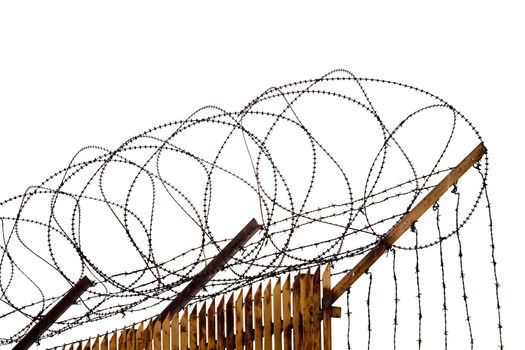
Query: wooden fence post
x,y
52,316
406,222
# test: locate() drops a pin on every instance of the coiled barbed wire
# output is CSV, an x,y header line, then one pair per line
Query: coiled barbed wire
x,y
327,165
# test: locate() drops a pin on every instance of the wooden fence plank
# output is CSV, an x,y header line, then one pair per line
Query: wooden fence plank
x,y
230,336
220,325
113,341
88,344
277,322
202,327
96,344
131,338
79,347
139,337
175,331
287,317
267,299
316,309
193,329
122,340
184,330
248,320
239,322
157,329
257,305
71,347
211,326
327,304
148,337
104,344
306,294
166,332
297,314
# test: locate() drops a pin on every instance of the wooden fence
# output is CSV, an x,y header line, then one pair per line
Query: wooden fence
x,y
284,315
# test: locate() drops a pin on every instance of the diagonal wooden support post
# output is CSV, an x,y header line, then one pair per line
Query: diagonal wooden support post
x,y
48,319
211,269
404,224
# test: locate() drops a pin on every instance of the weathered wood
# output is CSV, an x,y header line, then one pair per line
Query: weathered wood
x,y
221,344
211,269
88,344
407,221
287,317
316,309
113,341
277,322
148,336
96,344
202,327
267,311
211,326
104,343
327,315
130,341
193,329
258,312
297,314
248,320
79,347
184,330
239,322
54,314
166,333
139,337
306,295
122,340
157,329
175,331
230,328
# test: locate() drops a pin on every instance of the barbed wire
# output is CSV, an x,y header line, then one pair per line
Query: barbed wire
x,y
328,165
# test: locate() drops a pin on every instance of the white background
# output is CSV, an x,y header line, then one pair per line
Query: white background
x,y
80,73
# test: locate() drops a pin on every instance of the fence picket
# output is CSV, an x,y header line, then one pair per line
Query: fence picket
x,y
139,337
113,341
297,317
287,317
166,332
104,343
211,326
193,329
316,307
88,344
238,322
220,325
202,327
248,320
175,331
157,328
277,322
184,330
96,344
148,335
130,341
230,337
267,299
306,310
122,340
257,304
